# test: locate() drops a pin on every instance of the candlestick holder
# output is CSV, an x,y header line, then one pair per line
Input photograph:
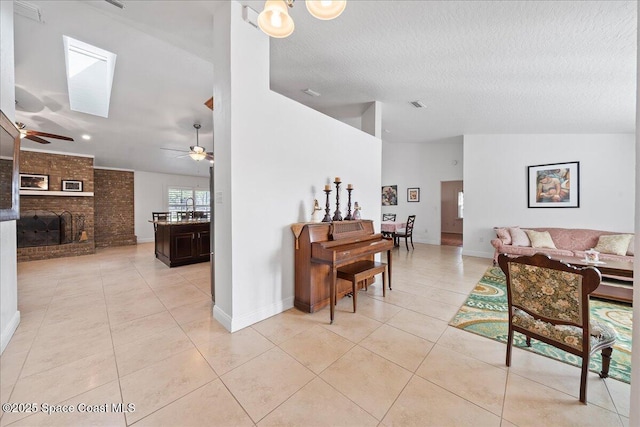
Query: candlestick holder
x,y
337,216
349,217
327,217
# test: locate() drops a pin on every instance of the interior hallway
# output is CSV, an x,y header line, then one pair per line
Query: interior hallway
x,y
120,326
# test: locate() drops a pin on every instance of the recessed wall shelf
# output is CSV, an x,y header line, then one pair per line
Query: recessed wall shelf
x,y
56,193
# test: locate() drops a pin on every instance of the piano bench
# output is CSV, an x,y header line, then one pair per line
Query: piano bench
x,y
362,270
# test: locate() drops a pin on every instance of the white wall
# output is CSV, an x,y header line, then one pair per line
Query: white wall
x,y
9,314
634,415
495,181
291,151
150,195
424,166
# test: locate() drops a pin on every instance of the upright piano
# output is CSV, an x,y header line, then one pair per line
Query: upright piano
x,y
321,248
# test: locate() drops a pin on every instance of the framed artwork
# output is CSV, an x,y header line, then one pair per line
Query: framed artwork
x,y
68,185
389,195
413,194
555,185
34,182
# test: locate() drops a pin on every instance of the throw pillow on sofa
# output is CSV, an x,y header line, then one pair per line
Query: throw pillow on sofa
x,y
503,234
616,244
519,237
540,239
632,246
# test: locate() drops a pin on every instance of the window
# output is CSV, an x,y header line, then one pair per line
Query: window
x,y
181,197
460,204
90,73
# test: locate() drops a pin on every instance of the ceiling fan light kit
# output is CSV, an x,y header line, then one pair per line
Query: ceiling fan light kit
x,y
274,20
197,152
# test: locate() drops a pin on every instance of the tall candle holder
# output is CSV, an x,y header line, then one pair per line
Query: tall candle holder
x,y
337,216
327,217
349,217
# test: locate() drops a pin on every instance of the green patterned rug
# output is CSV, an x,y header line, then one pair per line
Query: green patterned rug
x,y
485,313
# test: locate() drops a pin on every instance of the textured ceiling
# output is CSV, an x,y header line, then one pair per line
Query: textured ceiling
x,y
480,67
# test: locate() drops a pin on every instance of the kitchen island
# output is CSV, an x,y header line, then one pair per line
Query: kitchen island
x,y
182,242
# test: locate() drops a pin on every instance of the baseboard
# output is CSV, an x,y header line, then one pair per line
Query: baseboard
x,y
146,240
223,318
478,254
234,324
8,332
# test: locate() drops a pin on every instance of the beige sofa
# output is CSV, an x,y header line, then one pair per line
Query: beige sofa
x,y
568,242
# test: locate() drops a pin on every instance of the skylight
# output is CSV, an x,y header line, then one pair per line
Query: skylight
x,y
89,76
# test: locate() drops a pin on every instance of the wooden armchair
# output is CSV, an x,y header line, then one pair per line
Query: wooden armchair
x,y
549,301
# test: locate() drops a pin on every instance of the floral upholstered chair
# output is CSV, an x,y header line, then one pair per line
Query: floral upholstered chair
x,y
549,301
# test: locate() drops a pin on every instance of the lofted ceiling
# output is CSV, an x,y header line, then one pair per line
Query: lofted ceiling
x,y
479,67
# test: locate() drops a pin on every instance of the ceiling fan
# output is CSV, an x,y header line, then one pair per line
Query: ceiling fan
x,y
35,135
196,152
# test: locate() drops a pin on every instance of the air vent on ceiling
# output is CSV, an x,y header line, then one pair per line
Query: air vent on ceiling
x,y
116,3
311,92
418,104
27,10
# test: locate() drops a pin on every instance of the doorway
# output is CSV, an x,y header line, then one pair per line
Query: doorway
x,y
451,213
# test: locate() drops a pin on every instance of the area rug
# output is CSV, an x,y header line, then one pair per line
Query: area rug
x,y
485,313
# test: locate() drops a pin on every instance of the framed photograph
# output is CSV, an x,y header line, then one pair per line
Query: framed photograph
x,y
555,185
71,185
413,194
34,182
389,195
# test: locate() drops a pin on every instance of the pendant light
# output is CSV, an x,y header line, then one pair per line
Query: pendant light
x,y
326,9
275,21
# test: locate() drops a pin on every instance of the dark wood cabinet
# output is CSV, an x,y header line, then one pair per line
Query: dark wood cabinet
x,y
182,243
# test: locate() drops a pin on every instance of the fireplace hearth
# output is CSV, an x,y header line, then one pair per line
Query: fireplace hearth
x,y
44,228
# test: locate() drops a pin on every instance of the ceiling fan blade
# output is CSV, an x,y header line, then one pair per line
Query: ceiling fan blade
x,y
47,135
173,149
37,139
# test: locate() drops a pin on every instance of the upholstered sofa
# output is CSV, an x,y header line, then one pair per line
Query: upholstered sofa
x,y
567,241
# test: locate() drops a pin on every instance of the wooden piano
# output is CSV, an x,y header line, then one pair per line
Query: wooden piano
x,y
323,247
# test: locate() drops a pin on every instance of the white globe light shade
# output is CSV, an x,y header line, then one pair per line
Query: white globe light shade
x,y
274,20
325,9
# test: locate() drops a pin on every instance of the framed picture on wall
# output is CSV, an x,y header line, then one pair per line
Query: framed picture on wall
x,y
556,185
34,182
413,194
69,185
389,195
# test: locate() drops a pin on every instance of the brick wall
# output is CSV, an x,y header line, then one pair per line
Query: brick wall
x,y
6,172
59,167
114,208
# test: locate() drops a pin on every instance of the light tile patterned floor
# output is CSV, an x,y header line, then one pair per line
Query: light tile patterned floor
x,y
120,326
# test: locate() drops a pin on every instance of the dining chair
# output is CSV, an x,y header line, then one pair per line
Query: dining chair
x,y
407,233
159,216
388,217
549,300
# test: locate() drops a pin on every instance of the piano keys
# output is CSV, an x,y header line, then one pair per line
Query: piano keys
x,y
321,248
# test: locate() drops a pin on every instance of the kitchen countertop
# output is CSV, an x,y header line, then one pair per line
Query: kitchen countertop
x,y
181,221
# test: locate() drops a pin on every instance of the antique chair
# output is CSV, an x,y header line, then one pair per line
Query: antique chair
x,y
407,233
388,217
549,301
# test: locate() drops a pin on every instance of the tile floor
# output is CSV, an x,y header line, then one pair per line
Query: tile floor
x,y
119,326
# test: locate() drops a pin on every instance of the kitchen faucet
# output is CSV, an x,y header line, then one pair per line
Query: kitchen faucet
x,y
193,206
